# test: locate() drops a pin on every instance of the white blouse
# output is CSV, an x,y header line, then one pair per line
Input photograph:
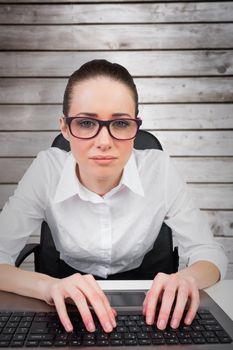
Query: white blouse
x,y
109,234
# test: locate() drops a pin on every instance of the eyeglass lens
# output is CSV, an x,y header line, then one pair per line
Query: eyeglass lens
x,y
119,128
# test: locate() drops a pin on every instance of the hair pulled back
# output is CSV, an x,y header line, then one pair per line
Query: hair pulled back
x,y
99,68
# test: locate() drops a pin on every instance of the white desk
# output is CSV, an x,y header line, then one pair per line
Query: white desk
x,y
221,292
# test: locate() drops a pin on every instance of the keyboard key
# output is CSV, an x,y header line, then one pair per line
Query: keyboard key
x,y
122,318
5,337
141,335
32,343
116,342
104,336
172,341
134,329
75,342
19,337
158,341
200,340
130,323
212,340
156,335
60,343
17,343
130,342
22,330
144,341
89,342
102,342
40,337
10,330
208,334
4,343
46,343
147,329
134,317
130,336
213,327
225,340
185,341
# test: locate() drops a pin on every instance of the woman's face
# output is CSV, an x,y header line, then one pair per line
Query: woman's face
x,y
102,158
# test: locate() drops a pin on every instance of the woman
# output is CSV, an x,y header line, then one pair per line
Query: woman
x,y
94,199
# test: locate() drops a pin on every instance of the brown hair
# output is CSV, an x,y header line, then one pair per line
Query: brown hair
x,y
97,68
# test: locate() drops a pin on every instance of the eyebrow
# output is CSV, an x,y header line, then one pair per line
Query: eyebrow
x,y
96,115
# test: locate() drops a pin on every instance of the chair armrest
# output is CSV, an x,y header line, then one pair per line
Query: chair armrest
x,y
175,259
27,250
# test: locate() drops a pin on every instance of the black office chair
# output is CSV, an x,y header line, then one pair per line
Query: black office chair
x,y
162,257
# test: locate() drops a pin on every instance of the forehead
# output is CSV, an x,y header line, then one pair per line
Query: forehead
x,y
101,95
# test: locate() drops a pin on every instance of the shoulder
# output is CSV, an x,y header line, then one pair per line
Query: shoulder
x,y
49,164
53,155
150,157
152,164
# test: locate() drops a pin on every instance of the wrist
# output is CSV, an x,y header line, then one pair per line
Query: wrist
x,y
44,284
188,276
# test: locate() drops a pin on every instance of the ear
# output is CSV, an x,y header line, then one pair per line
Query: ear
x,y
64,129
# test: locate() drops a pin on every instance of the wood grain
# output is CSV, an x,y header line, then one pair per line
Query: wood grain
x,y
139,63
115,37
116,13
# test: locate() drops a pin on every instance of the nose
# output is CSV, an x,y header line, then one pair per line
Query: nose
x,y
103,139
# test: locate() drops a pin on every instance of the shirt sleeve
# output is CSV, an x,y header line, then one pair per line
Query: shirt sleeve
x,y
189,225
23,213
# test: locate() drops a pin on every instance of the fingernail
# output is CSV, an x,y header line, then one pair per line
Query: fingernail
x,y
91,327
149,319
113,322
108,327
174,323
188,321
68,328
161,324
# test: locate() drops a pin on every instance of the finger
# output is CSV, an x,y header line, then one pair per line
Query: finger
x,y
114,311
91,280
152,297
144,304
193,307
166,305
181,300
81,304
96,301
61,310
151,305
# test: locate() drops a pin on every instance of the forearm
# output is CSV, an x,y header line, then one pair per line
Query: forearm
x,y
205,273
31,284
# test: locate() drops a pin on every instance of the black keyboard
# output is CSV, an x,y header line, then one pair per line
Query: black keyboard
x,y
43,329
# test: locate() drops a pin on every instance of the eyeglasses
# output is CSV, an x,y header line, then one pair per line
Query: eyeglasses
x,y
88,128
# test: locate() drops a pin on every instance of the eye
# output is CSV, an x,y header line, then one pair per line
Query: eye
x,y
85,123
120,124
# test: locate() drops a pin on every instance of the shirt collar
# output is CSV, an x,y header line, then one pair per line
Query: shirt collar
x,y
69,184
131,177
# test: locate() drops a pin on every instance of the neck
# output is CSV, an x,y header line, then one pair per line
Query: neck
x,y
100,186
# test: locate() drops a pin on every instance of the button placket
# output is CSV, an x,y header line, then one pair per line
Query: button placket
x,y
106,233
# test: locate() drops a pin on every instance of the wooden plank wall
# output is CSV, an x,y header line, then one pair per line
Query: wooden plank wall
x,y
180,54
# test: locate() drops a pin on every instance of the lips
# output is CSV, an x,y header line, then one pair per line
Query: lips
x,y
103,160
103,157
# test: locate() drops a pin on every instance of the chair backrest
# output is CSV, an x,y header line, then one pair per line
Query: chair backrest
x,y
162,257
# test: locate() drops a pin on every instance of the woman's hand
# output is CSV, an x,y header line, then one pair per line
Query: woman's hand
x,y
82,290
168,288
